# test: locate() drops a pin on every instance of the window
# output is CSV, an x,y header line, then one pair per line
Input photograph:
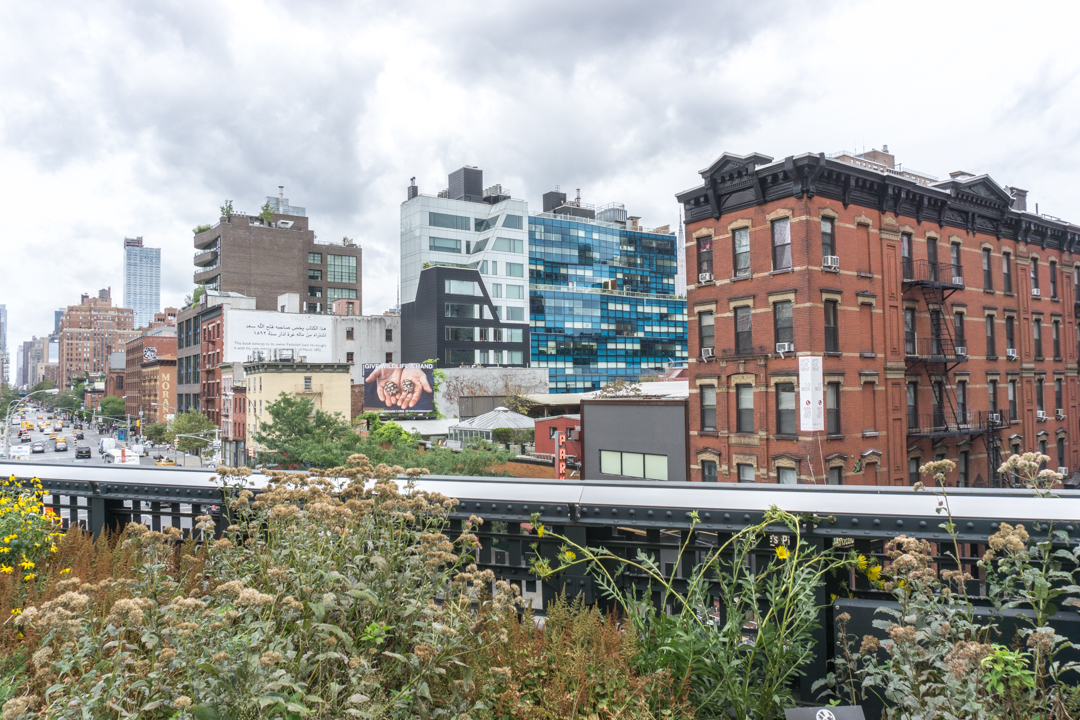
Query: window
x,y
454,222
913,470
832,408
459,334
439,244
1053,280
460,310
459,357
785,409
1042,451
460,287
1056,337
515,314
787,475
515,292
708,407
1039,400
349,333
389,334
307,383
954,256
961,401
708,471
1076,285
744,341
1034,274
783,326
905,256
931,256
832,336
476,247
496,290
828,238
706,330
390,357
333,294
912,405
781,242
939,404
1012,400
988,276
1010,332
991,346
704,257
513,269
1006,272
962,468
482,224
836,475
314,291
958,323
314,274
909,332
744,408
636,465
1061,452
513,245
348,357
992,395
512,221
1036,332
742,252
314,258
341,269
1058,407
745,472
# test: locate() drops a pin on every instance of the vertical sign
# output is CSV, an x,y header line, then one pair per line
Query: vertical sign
x,y
560,458
811,395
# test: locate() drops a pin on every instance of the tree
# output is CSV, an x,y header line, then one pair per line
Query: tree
x,y
157,432
226,209
620,388
346,241
43,385
266,214
112,407
298,434
191,422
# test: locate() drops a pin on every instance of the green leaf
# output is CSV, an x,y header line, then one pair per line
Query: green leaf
x,y
204,713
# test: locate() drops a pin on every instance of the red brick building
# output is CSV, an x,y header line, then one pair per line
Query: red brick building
x,y
546,440
945,314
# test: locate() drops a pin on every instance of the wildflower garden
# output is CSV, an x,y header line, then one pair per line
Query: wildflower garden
x,y
356,597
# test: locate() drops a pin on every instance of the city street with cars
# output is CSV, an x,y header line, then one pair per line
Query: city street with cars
x,y
46,439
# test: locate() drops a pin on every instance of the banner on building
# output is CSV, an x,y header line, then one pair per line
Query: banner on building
x,y
255,336
811,395
399,388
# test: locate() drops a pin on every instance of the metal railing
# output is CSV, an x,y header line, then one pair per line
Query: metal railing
x,y
944,422
928,348
631,517
923,272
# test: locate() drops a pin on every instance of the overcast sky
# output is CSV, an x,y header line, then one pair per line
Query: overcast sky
x,y
139,118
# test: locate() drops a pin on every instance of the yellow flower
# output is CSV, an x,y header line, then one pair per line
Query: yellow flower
x,y
569,556
874,573
540,531
862,562
4,550
64,571
26,564
782,552
29,577
16,611
5,568
52,549
899,583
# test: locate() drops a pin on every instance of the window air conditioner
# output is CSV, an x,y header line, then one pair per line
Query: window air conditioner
x,y
1035,292
961,350
1010,354
1040,415
704,277
830,262
995,418
1063,471
706,352
957,280
1059,414
785,347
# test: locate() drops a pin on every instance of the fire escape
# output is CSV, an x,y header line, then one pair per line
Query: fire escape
x,y
939,355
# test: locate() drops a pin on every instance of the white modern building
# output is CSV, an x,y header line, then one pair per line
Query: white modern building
x,y
465,274
142,280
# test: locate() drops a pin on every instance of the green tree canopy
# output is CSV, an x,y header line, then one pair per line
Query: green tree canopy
x,y
112,407
158,432
298,434
191,422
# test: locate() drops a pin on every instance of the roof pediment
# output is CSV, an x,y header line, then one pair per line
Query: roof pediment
x,y
729,161
980,185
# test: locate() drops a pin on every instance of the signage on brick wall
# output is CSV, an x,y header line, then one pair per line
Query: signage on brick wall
x,y
811,395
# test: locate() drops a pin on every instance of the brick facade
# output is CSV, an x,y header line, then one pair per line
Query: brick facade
x,y
871,357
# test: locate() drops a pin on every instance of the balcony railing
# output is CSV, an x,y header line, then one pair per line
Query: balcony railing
x,y
943,422
206,257
926,272
932,348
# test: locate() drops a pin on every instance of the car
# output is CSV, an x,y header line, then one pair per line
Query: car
x,y
38,447
60,445
79,435
83,451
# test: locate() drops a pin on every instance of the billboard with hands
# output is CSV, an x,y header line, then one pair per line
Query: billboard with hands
x,y
399,388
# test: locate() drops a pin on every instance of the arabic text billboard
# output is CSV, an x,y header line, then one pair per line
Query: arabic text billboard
x,y
264,335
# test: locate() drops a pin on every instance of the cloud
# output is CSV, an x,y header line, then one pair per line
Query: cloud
x,y
123,119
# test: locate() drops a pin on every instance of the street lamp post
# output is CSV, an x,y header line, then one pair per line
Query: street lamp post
x,y
12,407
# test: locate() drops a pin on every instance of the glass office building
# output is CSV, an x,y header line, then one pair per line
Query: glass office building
x,y
602,297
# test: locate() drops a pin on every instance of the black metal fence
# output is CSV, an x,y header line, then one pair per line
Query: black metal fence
x,y
625,518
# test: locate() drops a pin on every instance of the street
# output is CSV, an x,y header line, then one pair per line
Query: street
x,y
89,440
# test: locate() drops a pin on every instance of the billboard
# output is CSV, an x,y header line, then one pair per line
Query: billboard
x,y
261,335
811,395
399,388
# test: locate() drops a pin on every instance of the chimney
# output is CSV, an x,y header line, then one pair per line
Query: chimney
x,y
1019,199
281,199
884,148
413,190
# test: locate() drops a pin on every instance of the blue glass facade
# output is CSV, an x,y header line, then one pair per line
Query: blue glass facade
x,y
602,303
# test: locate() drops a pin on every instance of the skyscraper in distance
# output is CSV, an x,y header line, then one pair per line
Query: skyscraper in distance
x,y
142,280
